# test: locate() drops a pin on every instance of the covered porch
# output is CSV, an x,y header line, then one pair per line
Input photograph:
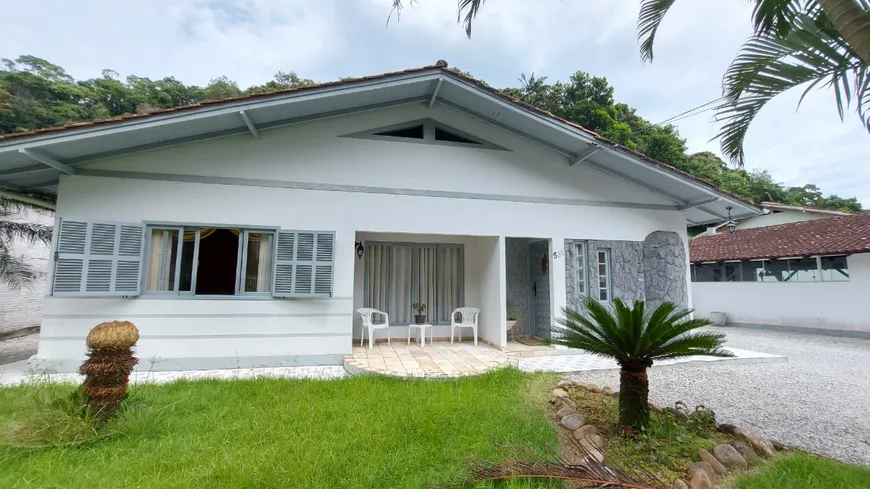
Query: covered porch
x,y
394,271
502,277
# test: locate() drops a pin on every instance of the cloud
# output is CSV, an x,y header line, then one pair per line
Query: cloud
x,y
250,40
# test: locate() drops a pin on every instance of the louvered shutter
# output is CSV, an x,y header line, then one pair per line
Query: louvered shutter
x,y
98,259
304,264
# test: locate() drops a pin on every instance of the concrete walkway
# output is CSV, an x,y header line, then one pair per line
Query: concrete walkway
x,y
581,362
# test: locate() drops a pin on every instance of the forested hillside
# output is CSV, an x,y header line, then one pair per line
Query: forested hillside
x,y
35,93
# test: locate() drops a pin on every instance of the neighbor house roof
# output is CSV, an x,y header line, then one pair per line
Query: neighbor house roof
x,y
34,160
776,206
835,236
772,207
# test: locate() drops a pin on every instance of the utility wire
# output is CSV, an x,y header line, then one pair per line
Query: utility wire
x,y
691,112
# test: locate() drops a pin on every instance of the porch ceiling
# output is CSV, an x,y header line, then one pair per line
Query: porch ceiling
x,y
34,162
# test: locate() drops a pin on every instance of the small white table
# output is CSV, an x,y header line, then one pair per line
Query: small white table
x,y
422,333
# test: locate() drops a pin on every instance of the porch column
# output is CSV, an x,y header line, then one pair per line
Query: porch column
x,y
558,298
502,295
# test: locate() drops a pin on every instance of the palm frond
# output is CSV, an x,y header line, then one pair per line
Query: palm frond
x,y
24,231
15,273
672,326
768,65
11,202
397,9
776,16
652,12
630,335
692,344
470,8
595,336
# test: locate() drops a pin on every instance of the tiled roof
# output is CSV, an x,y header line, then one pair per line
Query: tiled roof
x,y
439,65
832,236
205,103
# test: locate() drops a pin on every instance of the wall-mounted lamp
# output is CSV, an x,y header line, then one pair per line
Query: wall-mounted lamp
x,y
731,226
359,249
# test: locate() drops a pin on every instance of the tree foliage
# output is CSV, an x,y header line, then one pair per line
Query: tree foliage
x,y
589,101
35,93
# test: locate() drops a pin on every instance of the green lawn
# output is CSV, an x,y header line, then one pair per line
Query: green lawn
x,y
802,471
357,432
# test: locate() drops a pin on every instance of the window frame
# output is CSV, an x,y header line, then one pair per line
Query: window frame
x,y
607,274
238,293
581,264
766,264
415,275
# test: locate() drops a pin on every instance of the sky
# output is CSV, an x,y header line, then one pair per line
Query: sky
x,y
250,40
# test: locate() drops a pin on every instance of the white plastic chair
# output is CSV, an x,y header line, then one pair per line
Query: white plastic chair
x,y
468,319
365,313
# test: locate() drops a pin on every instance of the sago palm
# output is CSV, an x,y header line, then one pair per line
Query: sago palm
x,y
636,338
795,42
15,272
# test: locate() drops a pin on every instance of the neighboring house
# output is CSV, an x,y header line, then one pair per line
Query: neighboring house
x,y
813,275
773,213
20,309
246,232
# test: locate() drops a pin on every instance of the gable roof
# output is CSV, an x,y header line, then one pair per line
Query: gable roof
x,y
835,236
34,160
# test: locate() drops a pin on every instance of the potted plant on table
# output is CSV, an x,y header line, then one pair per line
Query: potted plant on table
x,y
420,317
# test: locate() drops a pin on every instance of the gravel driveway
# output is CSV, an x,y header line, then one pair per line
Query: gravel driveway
x,y
818,400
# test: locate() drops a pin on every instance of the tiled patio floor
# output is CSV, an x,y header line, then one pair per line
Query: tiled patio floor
x,y
438,359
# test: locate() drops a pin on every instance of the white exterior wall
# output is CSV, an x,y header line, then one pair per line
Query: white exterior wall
x,y
811,305
198,331
780,217
20,309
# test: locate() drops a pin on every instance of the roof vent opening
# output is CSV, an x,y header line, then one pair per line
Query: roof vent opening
x,y
413,132
442,135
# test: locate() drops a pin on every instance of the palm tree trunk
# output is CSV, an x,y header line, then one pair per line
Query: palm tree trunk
x,y
852,21
633,398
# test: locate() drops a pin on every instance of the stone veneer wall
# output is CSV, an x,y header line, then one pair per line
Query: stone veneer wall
x,y
664,269
626,276
653,270
517,277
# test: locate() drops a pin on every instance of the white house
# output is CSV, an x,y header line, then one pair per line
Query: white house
x,y
246,232
810,276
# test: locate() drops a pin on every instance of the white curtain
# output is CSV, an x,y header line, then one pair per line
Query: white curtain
x,y
377,278
427,282
259,263
398,275
400,297
161,260
450,284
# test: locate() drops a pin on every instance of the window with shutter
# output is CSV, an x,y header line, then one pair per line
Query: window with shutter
x,y
304,264
98,259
